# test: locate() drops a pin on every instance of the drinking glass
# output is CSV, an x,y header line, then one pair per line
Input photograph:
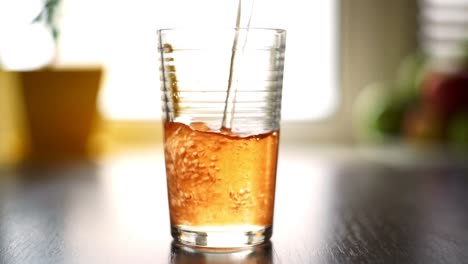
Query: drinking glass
x,y
221,102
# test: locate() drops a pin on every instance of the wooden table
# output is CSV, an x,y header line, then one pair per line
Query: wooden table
x,y
329,209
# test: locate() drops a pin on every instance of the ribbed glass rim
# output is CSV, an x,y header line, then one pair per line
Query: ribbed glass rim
x,y
214,29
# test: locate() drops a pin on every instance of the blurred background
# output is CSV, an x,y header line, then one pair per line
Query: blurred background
x,y
80,78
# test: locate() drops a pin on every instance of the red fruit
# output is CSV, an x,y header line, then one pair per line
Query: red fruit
x,y
446,92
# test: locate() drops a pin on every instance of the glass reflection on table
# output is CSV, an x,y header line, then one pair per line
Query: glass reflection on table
x,y
181,254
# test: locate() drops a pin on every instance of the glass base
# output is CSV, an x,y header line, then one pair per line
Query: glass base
x,y
226,237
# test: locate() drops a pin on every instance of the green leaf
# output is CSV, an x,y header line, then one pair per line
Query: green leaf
x,y
39,17
55,33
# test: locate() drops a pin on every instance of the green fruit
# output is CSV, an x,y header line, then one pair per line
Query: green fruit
x,y
378,113
369,100
458,131
388,118
411,74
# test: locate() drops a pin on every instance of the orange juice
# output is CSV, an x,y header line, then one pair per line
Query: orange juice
x,y
218,178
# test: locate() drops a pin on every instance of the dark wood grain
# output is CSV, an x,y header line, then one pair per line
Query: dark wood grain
x,y
328,210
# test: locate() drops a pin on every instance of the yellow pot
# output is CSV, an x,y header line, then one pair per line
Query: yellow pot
x,y
60,111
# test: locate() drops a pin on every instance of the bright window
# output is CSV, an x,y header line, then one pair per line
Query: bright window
x,y
122,36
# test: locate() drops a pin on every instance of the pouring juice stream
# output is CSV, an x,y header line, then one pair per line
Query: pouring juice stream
x,y
229,104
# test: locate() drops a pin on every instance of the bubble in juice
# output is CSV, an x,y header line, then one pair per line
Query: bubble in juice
x,y
218,178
